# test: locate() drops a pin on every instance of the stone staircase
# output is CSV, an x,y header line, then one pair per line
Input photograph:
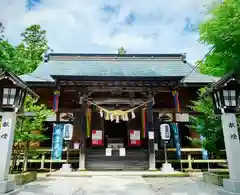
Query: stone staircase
x,y
135,159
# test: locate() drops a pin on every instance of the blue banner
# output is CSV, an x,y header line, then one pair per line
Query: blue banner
x,y
177,140
57,141
204,151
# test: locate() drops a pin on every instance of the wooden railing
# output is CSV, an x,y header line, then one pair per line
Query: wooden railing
x,y
187,153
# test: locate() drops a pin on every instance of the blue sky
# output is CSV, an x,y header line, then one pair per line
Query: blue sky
x,y
99,26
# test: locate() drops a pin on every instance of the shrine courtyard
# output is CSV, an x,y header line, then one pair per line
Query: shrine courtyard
x,y
116,185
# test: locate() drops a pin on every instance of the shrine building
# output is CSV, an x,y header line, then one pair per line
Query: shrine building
x,y
116,104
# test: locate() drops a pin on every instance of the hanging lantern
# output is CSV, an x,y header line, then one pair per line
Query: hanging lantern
x,y
133,115
111,117
107,116
101,113
117,119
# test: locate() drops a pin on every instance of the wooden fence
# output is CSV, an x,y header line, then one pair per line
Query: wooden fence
x,y
190,156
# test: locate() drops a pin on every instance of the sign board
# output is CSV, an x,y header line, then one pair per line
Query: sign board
x,y
115,146
97,137
76,145
108,151
183,117
57,142
122,152
151,135
68,132
134,137
5,130
165,131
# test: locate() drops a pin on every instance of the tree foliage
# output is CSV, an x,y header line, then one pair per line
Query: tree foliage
x,y
122,51
22,59
25,57
26,128
35,45
222,31
207,123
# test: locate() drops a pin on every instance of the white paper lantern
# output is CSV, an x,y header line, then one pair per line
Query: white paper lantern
x,y
165,132
68,132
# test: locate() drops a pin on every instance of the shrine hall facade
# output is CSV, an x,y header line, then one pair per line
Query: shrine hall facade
x,y
116,104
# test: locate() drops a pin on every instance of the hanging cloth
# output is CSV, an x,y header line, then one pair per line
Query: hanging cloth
x,y
89,122
175,126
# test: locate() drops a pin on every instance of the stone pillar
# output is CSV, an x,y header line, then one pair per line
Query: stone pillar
x,y
232,145
6,144
152,161
42,161
83,137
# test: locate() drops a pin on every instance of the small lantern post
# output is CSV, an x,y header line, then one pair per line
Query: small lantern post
x,y
12,95
225,94
165,132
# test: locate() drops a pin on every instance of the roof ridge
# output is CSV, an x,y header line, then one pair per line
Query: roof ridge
x,y
76,56
113,54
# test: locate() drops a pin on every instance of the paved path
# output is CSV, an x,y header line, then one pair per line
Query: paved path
x,y
181,186
113,185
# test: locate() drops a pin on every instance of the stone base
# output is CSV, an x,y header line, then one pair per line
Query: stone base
x,y
230,187
225,192
167,168
8,187
66,168
152,169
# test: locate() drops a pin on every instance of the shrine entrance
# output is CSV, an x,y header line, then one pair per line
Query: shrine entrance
x,y
117,152
116,133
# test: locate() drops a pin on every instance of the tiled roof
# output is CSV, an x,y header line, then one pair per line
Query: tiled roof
x,y
196,77
131,67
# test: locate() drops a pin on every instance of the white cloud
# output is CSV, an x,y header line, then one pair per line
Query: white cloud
x,y
79,25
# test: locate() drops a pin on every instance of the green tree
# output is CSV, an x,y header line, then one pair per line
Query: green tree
x,y
122,51
207,123
13,58
24,133
222,31
23,59
35,45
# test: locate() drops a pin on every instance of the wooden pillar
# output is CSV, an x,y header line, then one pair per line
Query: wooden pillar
x,y
157,131
152,161
82,119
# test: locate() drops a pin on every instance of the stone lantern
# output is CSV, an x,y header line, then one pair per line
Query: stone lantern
x,y
12,95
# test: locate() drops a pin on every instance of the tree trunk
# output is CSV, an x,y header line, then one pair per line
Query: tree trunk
x,y
25,156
